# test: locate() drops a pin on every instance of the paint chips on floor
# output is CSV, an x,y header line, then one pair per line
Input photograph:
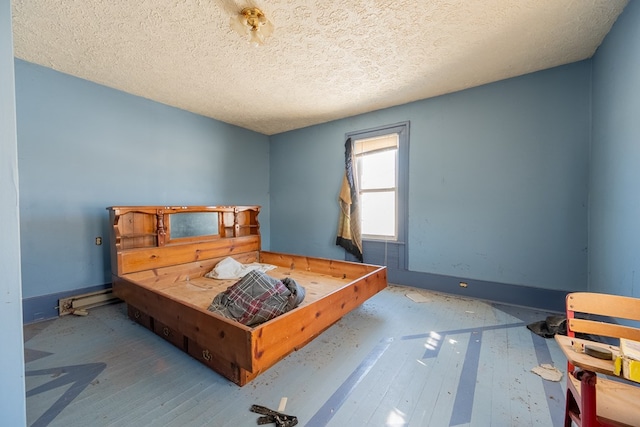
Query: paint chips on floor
x,y
417,297
548,372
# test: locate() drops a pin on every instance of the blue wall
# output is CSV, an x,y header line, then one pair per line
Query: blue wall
x,y
12,384
614,226
498,181
498,191
84,147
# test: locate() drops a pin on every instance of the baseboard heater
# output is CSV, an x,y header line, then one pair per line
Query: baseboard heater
x,y
79,304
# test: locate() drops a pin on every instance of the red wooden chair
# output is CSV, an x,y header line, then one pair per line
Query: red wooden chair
x,y
594,399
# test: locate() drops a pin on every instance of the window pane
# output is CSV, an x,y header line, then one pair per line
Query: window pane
x,y
377,170
378,211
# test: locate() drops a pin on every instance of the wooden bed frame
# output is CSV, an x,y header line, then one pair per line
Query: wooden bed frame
x,y
160,254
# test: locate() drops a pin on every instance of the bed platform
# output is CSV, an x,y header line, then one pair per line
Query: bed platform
x,y
159,258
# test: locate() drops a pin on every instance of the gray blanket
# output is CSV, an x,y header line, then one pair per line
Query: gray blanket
x,y
257,297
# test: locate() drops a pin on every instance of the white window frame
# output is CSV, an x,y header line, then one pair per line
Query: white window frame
x,y
370,146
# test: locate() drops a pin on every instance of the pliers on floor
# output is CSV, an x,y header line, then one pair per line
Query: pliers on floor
x,y
271,416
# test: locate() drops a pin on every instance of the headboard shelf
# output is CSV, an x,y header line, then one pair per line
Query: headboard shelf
x,y
167,230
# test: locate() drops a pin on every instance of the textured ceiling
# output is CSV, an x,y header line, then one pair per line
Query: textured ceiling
x,y
327,59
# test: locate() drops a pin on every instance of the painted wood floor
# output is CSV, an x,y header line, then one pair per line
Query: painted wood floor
x,y
448,361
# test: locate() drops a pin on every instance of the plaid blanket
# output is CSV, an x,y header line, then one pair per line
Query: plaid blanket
x,y
257,298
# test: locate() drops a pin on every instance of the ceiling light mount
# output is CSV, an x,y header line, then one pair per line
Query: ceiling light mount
x,y
252,22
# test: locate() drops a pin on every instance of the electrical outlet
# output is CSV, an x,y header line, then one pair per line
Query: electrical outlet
x,y
98,241
463,284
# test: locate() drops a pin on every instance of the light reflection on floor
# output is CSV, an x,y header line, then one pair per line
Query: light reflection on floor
x,y
433,341
396,418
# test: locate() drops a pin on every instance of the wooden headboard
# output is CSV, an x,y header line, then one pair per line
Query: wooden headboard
x,y
147,237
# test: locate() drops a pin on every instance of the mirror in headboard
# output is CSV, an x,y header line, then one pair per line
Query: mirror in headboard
x,y
184,225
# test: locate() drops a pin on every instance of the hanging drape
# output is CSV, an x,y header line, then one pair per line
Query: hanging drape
x,y
349,236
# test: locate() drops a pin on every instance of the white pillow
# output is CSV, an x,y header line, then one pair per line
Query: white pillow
x,y
229,268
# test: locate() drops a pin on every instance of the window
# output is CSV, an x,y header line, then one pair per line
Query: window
x,y
382,162
377,164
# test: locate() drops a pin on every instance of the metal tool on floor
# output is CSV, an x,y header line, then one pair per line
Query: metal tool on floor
x,y
271,416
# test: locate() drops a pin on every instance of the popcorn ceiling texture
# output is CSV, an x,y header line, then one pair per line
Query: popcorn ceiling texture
x,y
327,59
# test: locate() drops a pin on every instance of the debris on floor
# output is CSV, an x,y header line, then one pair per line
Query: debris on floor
x,y
79,312
549,327
282,405
417,297
270,416
548,372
